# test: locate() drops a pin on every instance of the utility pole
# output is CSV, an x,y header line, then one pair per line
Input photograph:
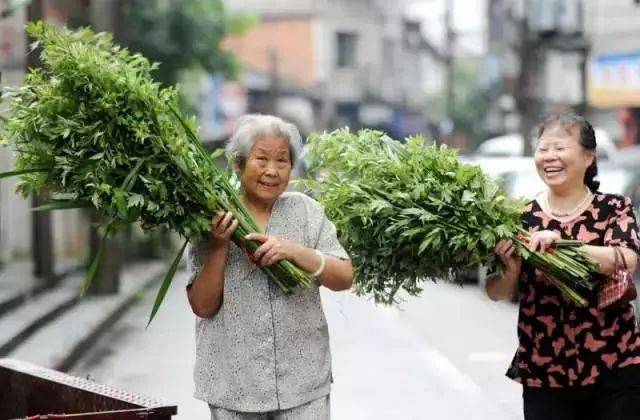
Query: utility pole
x,y
274,85
526,100
41,232
450,37
106,15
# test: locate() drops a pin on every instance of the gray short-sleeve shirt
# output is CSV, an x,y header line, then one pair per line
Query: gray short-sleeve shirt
x,y
263,350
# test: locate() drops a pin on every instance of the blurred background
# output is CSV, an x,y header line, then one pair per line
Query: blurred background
x,y
472,74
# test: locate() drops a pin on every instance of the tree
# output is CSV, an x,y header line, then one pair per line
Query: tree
x,y
184,34
470,102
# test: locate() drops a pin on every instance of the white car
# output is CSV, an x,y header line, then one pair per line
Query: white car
x,y
527,184
512,145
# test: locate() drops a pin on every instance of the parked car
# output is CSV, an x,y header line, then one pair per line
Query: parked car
x,y
512,145
527,184
629,157
497,167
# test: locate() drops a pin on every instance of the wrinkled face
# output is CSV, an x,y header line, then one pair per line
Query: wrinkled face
x,y
561,161
267,169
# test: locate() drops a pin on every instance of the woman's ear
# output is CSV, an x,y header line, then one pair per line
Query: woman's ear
x,y
238,164
591,157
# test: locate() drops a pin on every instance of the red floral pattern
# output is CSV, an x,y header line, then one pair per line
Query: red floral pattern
x,y
562,345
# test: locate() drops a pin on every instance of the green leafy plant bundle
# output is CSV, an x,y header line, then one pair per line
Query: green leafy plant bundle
x,y
92,129
407,212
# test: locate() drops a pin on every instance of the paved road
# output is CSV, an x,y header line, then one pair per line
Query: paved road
x,y
478,336
429,361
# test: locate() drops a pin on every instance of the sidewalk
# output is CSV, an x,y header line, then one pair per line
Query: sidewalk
x,y
383,369
53,328
18,283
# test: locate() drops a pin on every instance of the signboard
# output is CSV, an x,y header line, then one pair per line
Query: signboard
x,y
614,80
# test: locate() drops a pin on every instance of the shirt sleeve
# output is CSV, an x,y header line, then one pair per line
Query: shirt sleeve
x,y
622,229
195,253
324,236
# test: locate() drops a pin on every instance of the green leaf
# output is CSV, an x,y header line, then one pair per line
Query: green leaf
x,y
131,176
168,279
468,196
23,172
424,245
218,153
135,200
95,264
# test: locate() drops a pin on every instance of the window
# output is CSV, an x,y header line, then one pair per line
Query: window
x,y
346,49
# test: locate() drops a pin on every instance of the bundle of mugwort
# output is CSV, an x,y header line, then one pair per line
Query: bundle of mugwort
x,y
407,212
91,129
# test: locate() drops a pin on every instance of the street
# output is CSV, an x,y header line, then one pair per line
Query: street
x,y
421,127
439,356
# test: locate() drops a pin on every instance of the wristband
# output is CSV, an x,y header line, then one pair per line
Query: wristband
x,y
322,264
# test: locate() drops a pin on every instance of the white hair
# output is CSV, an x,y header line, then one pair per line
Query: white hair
x,y
254,126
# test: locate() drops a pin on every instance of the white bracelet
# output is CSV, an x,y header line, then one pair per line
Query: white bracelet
x,y
322,264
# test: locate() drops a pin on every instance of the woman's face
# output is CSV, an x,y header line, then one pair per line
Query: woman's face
x,y
560,159
267,168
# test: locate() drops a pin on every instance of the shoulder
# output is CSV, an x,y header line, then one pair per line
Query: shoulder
x,y
614,201
528,206
298,199
198,246
530,210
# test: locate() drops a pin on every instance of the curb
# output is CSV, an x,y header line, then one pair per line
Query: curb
x,y
83,347
19,298
36,325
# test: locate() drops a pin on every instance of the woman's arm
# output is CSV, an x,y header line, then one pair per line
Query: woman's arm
x,y
502,286
622,229
205,293
337,274
604,256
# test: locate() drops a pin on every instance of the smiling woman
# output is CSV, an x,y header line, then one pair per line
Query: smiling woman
x,y
573,362
248,331
264,149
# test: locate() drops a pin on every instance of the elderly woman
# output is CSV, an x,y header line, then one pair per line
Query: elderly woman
x,y
261,354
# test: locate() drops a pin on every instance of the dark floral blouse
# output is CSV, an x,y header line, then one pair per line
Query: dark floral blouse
x,y
562,345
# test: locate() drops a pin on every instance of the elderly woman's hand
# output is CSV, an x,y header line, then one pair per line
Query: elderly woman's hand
x,y
222,227
272,250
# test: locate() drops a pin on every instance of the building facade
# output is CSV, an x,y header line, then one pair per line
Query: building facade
x,y
354,63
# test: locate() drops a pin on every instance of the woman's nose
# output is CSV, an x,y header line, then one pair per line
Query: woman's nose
x,y
271,169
